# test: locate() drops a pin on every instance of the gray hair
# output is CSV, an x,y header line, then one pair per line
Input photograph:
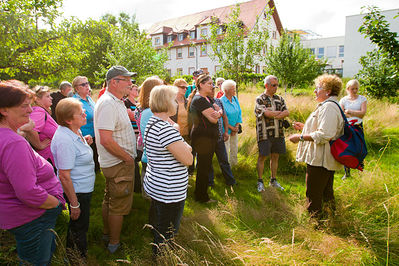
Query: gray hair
x,y
65,84
268,79
219,79
228,84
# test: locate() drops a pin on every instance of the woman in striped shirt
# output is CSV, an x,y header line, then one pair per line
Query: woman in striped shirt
x,y
166,178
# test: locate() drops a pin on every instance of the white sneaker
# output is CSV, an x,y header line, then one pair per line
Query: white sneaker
x,y
276,184
261,187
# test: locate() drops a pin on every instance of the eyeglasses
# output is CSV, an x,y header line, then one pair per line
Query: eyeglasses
x,y
82,114
182,87
319,89
274,85
84,84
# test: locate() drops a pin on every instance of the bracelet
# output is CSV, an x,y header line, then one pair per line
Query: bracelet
x,y
75,207
301,138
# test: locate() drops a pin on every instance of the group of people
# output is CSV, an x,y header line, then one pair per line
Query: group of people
x,y
49,162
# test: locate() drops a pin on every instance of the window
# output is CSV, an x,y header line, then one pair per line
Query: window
x,y
331,51
204,32
257,69
341,51
274,35
169,54
219,31
179,53
179,71
192,34
204,51
312,50
181,37
191,70
191,52
157,41
320,52
170,38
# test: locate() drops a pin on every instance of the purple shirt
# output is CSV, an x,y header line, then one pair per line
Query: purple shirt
x,y
46,126
26,180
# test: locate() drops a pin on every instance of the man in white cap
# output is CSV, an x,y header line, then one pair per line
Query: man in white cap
x,y
116,144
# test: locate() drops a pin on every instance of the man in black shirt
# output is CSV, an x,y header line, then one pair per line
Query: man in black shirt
x,y
65,88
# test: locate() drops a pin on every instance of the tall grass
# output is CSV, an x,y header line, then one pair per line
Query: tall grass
x,y
270,228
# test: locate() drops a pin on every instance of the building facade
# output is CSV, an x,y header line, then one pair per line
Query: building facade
x,y
187,47
356,45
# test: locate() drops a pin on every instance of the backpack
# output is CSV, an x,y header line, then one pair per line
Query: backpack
x,y
349,149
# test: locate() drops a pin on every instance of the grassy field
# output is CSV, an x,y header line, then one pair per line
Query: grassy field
x,y
270,228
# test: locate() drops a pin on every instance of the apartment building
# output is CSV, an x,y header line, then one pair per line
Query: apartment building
x,y
188,49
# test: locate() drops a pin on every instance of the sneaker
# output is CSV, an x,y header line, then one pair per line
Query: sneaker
x,y
261,187
112,248
276,184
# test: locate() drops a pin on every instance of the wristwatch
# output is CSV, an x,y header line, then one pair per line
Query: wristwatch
x,y
301,138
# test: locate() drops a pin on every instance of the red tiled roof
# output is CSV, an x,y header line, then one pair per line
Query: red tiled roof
x,y
249,12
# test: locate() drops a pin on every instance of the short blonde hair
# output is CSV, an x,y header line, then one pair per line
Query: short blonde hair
x,y
352,82
217,80
162,99
329,82
76,81
65,110
228,84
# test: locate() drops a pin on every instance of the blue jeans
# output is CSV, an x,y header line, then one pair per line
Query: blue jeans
x,y
166,221
223,160
36,239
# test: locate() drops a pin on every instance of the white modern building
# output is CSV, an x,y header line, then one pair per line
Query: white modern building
x,y
184,36
355,43
332,49
343,52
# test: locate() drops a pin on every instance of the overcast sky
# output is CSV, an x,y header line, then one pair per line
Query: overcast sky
x,y
324,17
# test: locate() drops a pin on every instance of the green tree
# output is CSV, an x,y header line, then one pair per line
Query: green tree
x,y
131,48
293,64
236,47
380,68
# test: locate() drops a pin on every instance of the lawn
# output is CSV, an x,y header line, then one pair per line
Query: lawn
x,y
270,228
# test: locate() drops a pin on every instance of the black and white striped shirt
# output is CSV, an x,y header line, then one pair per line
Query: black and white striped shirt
x,y
166,179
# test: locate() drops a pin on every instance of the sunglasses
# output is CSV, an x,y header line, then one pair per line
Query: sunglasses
x,y
84,84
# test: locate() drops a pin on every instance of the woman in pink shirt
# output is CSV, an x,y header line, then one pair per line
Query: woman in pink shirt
x,y
45,125
30,193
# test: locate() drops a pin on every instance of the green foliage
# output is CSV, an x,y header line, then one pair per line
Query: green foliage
x,y
380,68
378,75
293,64
132,49
237,47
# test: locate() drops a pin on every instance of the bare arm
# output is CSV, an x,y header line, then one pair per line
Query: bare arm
x,y
112,147
361,113
65,178
50,203
33,137
211,115
182,152
282,114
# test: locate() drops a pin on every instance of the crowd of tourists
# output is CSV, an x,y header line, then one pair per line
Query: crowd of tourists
x,y
50,153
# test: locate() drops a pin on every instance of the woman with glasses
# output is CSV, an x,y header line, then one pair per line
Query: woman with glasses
x,y
45,126
30,193
181,116
324,124
74,161
81,87
205,114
